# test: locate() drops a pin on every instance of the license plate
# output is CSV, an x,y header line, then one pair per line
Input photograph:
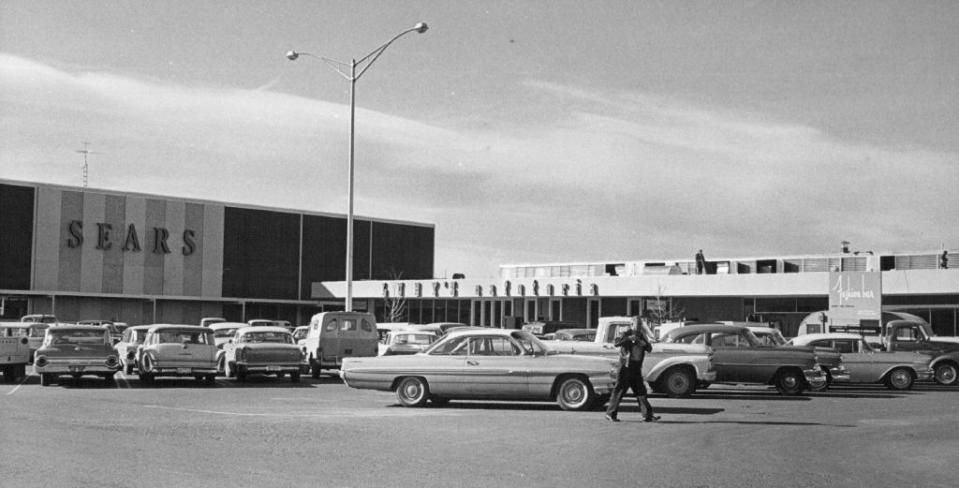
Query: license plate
x,y
184,370
273,368
76,369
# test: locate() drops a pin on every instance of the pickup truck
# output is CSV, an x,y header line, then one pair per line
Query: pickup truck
x,y
909,335
674,369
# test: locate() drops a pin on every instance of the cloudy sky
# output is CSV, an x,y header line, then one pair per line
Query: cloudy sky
x,y
527,132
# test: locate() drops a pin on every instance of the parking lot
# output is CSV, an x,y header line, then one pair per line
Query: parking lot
x,y
269,432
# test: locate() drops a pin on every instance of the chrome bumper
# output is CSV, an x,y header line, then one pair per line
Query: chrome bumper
x,y
273,368
75,366
816,378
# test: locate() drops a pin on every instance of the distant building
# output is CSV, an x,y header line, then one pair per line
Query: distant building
x,y
781,290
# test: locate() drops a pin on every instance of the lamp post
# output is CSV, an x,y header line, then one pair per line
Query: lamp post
x,y
353,76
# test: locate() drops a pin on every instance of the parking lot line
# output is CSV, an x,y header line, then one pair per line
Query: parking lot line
x,y
15,388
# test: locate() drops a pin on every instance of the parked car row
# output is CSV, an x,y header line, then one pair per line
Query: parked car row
x,y
434,366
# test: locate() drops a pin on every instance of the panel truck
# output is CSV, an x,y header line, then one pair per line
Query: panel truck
x,y
674,369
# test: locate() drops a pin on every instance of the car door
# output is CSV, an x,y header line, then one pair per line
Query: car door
x,y
496,368
445,368
733,359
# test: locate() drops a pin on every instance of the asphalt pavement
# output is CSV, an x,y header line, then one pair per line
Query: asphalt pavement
x,y
320,433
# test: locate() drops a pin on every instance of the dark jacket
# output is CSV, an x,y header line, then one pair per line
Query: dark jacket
x,y
632,350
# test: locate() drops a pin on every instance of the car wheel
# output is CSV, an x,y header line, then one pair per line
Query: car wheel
x,y
790,382
412,392
46,379
575,393
946,373
678,383
899,379
146,369
294,376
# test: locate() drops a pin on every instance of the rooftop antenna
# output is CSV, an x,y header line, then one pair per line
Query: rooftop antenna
x,y
86,167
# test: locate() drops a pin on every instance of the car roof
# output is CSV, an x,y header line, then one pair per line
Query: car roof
x,y
227,325
473,330
263,328
700,328
198,328
807,338
575,331
77,327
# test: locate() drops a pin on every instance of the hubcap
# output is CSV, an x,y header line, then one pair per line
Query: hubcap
x,y
573,394
946,374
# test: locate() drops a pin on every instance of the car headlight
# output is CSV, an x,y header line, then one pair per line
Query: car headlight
x,y
40,361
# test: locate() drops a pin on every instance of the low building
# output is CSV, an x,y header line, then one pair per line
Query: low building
x,y
82,253
848,287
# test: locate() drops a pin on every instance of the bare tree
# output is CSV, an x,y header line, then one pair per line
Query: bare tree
x,y
395,300
661,309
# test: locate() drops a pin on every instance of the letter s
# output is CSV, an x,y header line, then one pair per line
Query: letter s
x,y
189,245
76,234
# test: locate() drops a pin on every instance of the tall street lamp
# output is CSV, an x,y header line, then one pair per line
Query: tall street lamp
x,y
353,76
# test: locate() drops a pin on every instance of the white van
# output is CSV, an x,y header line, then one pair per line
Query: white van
x,y
336,335
14,351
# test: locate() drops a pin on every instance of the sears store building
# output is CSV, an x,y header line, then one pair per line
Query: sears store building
x,y
83,253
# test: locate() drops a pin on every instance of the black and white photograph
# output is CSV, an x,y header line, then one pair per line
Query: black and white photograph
x,y
425,243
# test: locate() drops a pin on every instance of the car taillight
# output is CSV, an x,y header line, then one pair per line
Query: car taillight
x,y
112,361
40,361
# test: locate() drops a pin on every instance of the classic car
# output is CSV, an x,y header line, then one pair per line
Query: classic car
x,y
222,333
177,350
43,318
264,350
583,335
541,328
127,347
897,370
489,364
300,333
830,360
76,350
738,357
406,342
208,321
673,369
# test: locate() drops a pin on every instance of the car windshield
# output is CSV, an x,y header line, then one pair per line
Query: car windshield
x,y
770,338
267,336
77,337
300,333
184,337
221,333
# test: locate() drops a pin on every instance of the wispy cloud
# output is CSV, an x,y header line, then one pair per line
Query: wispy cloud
x,y
574,174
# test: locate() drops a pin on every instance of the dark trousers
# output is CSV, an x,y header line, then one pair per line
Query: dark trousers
x,y
630,377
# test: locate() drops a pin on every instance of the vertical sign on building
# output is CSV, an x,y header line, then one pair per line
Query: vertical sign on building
x,y
855,301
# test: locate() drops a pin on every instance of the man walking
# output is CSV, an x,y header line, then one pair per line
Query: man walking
x,y
633,346
700,262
